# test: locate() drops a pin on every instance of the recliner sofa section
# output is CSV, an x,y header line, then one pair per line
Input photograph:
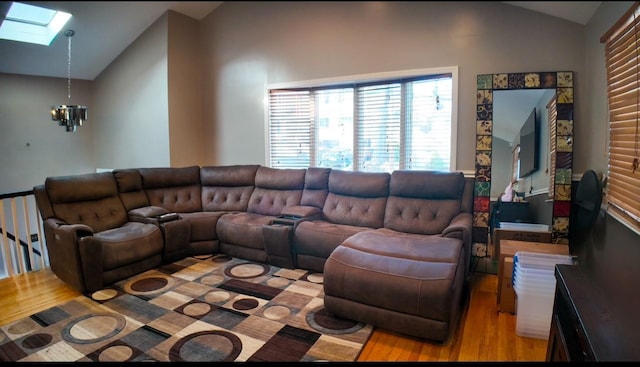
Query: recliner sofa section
x,y
90,239
355,202
409,275
198,195
241,233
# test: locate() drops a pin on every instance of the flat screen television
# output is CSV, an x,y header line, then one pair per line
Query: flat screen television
x,y
529,145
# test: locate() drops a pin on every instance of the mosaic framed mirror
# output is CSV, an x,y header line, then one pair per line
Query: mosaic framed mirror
x,y
487,85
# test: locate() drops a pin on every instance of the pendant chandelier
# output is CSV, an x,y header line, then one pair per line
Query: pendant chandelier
x,y
69,115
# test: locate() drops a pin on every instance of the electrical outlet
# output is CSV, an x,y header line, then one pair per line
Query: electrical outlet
x,y
34,238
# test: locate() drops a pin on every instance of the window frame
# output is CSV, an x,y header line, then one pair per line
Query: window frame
x,y
372,78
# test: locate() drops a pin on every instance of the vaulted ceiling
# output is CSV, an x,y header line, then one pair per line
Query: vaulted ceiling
x,y
105,28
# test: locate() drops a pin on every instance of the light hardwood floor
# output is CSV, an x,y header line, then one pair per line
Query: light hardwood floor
x,y
484,334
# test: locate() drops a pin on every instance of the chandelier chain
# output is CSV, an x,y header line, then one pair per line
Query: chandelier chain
x,y
69,34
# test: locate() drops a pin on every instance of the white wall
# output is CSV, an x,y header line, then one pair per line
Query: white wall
x,y
132,114
248,45
32,146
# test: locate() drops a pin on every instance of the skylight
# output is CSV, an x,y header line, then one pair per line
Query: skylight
x,y
32,24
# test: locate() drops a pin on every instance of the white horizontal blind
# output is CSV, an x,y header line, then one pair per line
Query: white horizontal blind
x,y
290,128
334,128
623,79
378,127
428,128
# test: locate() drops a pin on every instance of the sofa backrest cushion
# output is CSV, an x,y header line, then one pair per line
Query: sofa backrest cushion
x,y
275,189
423,202
316,186
89,199
227,188
175,189
357,198
129,183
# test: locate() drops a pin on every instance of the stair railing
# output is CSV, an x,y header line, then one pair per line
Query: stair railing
x,y
22,244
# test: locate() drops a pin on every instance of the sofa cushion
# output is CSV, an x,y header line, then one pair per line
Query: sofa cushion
x,y
276,189
357,198
318,238
128,244
130,188
176,189
203,225
89,199
227,188
427,185
316,186
423,202
243,229
408,283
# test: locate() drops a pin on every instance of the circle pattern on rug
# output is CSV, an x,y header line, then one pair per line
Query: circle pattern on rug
x,y
104,294
212,280
217,296
36,341
320,320
116,353
278,282
221,259
22,327
247,270
315,278
245,304
277,312
93,328
206,346
196,309
149,285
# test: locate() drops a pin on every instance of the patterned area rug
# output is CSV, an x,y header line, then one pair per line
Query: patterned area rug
x,y
200,309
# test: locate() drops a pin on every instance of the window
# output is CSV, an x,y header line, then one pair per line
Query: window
x,y
32,24
372,124
623,79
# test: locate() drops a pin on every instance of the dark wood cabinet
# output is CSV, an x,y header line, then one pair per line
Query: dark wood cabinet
x,y
567,338
596,312
556,347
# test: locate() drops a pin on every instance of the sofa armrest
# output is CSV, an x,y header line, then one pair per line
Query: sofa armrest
x,y
63,245
146,214
300,212
460,227
293,215
71,232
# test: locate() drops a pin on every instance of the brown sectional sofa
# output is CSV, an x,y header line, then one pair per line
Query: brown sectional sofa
x,y
394,248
